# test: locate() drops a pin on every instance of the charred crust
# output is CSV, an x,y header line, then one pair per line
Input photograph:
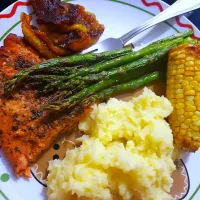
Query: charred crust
x,y
21,63
35,114
54,12
14,128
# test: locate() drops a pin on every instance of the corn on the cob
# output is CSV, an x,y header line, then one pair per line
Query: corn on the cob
x,y
183,90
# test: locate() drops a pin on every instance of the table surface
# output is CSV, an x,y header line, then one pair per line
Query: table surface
x,y
194,17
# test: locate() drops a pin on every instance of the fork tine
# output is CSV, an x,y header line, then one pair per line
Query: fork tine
x,y
106,45
92,49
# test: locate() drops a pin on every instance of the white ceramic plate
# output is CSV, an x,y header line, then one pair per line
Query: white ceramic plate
x,y
118,18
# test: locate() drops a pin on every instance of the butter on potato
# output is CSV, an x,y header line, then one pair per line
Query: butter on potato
x,y
126,154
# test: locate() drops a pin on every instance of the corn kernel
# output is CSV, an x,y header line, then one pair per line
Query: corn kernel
x,y
197,73
180,61
190,58
197,113
189,63
181,118
184,126
173,91
181,67
170,87
179,100
173,101
194,83
171,67
190,108
189,98
189,103
194,128
196,144
190,68
190,131
188,121
198,108
174,132
173,72
195,118
197,93
170,81
168,92
189,92
172,54
188,139
179,137
177,123
177,129
197,62
173,116
180,71
184,83
197,139
179,91
178,81
189,73
197,67
197,123
170,77
197,88
182,131
197,104
171,96
188,114
179,76
197,78
178,86
189,78
180,111
181,52
180,56
187,88
180,105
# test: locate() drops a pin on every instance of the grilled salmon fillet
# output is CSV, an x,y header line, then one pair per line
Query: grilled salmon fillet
x,y
25,130
15,55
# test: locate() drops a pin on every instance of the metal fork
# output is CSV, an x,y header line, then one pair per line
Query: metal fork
x,y
178,8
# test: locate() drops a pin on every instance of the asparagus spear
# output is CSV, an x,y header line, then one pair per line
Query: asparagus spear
x,y
64,94
131,71
107,93
77,78
184,34
136,55
153,47
125,59
57,70
46,78
131,85
65,61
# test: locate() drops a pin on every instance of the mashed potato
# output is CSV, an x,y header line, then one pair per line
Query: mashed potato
x,y
126,154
